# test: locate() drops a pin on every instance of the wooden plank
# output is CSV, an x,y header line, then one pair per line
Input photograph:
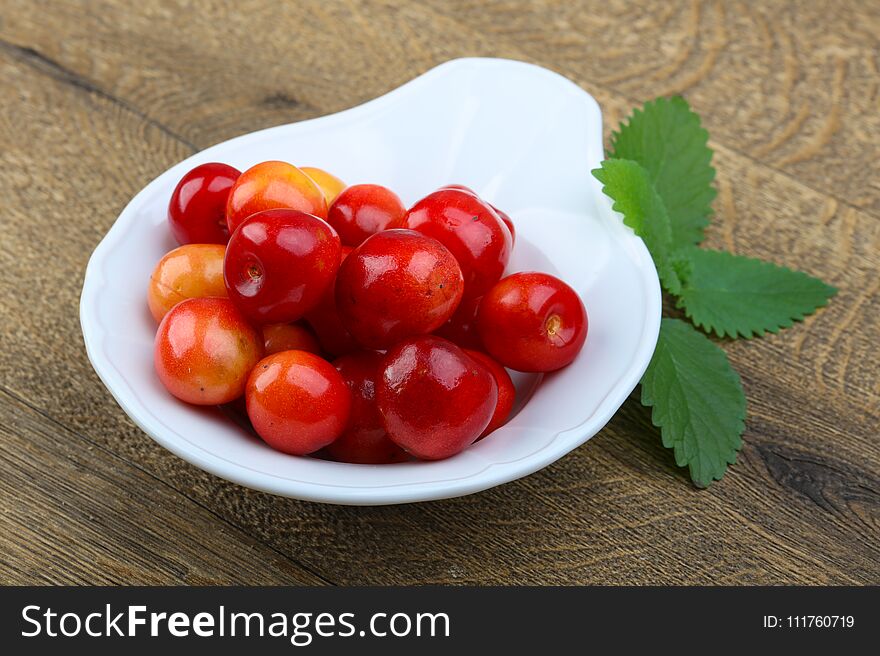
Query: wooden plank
x,y
73,513
792,84
97,114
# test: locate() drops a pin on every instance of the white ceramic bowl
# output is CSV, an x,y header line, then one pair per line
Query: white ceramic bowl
x,y
525,139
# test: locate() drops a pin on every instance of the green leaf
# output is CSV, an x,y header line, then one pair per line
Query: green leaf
x,y
627,183
666,138
735,296
697,401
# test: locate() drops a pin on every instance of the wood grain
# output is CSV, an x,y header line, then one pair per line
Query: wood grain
x,y
103,97
127,527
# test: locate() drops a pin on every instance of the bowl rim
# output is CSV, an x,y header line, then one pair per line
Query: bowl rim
x,y
494,473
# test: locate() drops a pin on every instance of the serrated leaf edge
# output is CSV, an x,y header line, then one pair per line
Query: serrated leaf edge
x,y
668,442
704,139
752,331
666,272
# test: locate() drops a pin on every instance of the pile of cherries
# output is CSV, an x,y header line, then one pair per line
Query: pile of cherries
x,y
348,324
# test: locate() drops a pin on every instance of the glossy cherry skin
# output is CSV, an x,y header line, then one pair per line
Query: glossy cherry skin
x,y
508,222
364,440
279,337
279,263
506,390
363,210
460,187
205,349
461,329
532,322
272,185
297,402
328,183
197,210
470,229
398,283
189,271
325,322
435,400
332,335
503,215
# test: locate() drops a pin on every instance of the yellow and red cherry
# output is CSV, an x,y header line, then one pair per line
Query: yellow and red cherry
x,y
204,351
273,185
189,271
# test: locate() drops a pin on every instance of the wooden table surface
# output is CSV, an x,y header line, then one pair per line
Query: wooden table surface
x,y
100,97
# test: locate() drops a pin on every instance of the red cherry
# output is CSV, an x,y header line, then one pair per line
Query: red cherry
x,y
396,284
204,351
289,337
364,440
532,322
435,400
506,390
297,402
197,210
461,329
460,187
470,229
502,215
331,334
508,222
279,263
363,210
325,321
272,185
